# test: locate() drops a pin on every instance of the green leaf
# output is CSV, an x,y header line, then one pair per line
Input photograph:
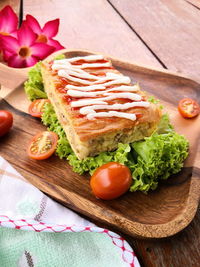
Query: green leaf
x,y
150,160
34,87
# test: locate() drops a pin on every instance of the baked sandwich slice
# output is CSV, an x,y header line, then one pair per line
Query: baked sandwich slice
x,y
97,106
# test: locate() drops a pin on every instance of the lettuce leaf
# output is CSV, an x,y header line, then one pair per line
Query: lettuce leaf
x,y
34,87
157,157
150,160
164,125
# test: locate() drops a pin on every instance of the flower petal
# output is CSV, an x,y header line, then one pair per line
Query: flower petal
x,y
8,20
9,44
41,50
55,44
26,36
30,61
13,34
16,61
6,55
50,29
33,24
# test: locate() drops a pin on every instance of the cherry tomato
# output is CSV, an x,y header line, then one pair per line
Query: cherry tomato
x,y
35,108
110,181
6,121
188,108
42,145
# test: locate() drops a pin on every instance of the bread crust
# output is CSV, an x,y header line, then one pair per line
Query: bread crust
x,y
90,137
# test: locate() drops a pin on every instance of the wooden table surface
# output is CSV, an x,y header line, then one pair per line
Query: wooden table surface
x,y
158,33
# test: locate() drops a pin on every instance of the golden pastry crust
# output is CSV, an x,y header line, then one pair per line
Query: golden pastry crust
x,y
90,137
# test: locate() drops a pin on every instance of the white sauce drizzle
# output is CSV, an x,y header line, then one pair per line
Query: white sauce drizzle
x,y
95,65
90,84
121,88
89,58
129,116
92,108
82,75
85,88
123,80
76,93
87,102
65,74
125,88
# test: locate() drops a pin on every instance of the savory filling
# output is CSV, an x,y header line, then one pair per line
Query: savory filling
x,y
93,91
150,160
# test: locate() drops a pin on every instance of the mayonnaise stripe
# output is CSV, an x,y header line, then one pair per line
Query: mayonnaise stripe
x,y
131,96
92,108
82,75
76,93
95,65
124,88
89,101
85,88
97,88
129,116
82,103
123,80
64,74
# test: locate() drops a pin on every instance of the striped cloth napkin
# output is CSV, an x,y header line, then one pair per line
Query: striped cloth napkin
x,y
54,236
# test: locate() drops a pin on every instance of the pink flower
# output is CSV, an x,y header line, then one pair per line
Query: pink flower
x,y
45,34
8,25
24,51
8,21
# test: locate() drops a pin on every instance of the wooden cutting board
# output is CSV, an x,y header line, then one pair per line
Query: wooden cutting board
x,y
160,213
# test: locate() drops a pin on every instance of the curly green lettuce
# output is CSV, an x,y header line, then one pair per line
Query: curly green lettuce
x,y
150,160
156,158
153,159
34,86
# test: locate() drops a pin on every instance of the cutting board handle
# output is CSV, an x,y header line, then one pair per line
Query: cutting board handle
x,y
11,78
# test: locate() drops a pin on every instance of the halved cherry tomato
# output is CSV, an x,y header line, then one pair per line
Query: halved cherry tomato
x,y
35,108
111,180
6,121
188,108
42,145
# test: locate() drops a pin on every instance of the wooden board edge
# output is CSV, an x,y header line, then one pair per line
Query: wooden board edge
x,y
117,61
121,63
182,220
145,231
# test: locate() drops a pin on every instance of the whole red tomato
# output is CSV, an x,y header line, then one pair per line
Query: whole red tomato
x,y
111,180
6,121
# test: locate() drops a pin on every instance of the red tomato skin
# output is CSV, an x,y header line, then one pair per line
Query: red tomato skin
x,y
110,181
48,153
36,113
188,108
6,121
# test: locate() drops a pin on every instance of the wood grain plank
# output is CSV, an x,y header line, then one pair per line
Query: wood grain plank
x,y
195,3
138,214
92,25
170,28
179,250
15,4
